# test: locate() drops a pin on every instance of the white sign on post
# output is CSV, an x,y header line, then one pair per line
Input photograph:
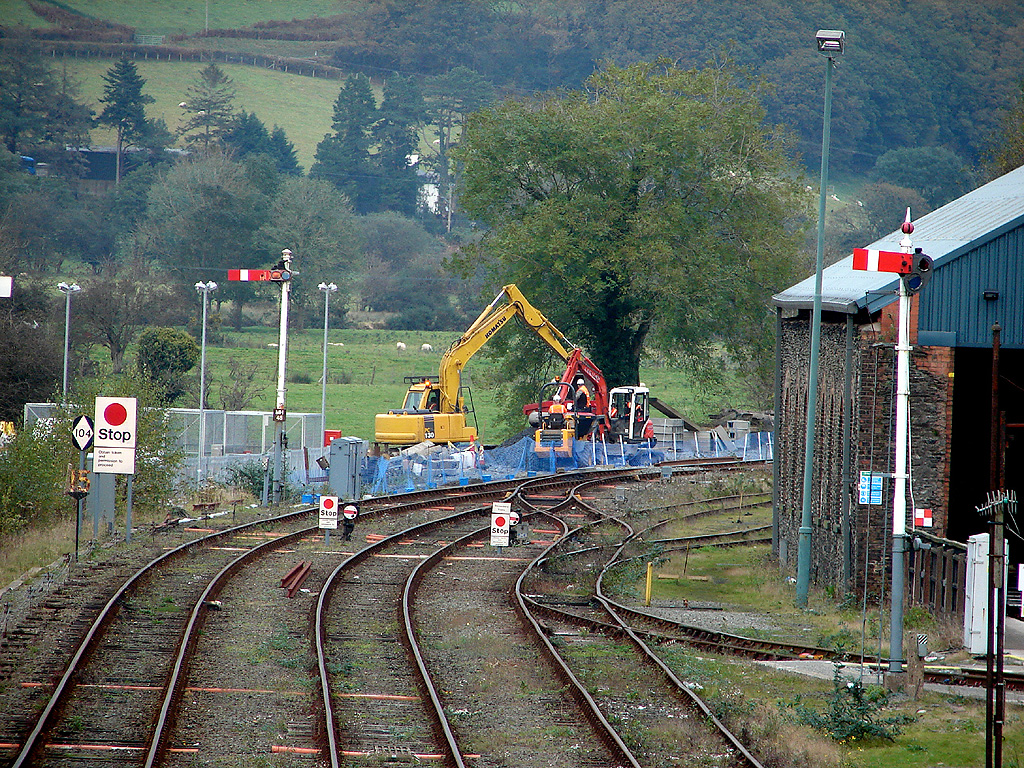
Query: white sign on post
x,y
114,441
329,512
500,514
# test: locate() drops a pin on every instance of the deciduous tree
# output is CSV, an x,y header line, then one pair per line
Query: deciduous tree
x,y
165,356
315,221
653,208
114,306
31,356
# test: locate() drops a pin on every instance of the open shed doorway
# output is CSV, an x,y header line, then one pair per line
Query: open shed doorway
x,y
970,466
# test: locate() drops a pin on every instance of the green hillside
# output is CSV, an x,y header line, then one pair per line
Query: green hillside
x,y
177,17
301,105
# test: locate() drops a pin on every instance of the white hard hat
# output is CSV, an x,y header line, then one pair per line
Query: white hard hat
x,y
557,398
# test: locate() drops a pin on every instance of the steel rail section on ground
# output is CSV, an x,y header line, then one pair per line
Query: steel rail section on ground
x,y
411,501
413,646
681,687
579,692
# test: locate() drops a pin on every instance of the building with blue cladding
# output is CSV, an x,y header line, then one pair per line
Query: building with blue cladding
x,y
977,244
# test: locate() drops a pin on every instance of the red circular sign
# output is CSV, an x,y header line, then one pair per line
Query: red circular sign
x,y
513,518
327,503
350,511
499,522
115,414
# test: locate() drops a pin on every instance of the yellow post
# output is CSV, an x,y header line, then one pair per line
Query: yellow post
x,y
650,578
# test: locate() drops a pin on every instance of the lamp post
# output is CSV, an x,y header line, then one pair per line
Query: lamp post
x,y
830,45
328,289
205,289
67,290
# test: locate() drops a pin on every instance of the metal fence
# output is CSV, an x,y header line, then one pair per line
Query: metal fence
x,y
227,432
937,576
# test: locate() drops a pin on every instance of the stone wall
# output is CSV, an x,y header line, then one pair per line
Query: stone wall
x,y
873,433
826,485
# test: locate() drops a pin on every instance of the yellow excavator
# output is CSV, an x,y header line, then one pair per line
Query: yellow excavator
x,y
435,408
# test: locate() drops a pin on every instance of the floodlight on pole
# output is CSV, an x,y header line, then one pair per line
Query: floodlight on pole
x,y
205,289
830,44
67,290
328,289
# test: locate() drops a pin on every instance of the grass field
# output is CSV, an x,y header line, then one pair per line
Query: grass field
x,y
373,370
177,17
303,106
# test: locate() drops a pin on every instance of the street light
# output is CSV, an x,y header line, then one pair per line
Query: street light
x,y
67,290
205,289
328,289
830,44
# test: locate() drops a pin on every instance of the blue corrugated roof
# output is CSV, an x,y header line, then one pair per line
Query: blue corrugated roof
x,y
944,234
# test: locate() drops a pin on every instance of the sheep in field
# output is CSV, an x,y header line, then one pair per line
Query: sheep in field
x,y
400,346
426,348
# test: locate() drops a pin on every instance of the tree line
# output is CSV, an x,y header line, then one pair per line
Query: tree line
x,y
934,74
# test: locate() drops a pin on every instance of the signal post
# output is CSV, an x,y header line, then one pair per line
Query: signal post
x,y
914,269
281,273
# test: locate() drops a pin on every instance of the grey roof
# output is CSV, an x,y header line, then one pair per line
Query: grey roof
x,y
944,234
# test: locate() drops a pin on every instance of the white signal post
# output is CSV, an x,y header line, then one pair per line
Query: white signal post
x,y
899,493
909,267
282,273
282,362
204,289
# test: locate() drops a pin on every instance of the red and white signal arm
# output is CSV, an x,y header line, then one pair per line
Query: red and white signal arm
x,y
328,511
871,260
350,511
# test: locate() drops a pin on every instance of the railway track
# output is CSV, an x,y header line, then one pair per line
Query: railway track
x,y
162,676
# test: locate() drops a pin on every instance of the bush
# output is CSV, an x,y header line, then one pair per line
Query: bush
x,y
246,476
852,712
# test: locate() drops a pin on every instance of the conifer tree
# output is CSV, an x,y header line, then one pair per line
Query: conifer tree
x,y
343,158
125,107
209,107
402,113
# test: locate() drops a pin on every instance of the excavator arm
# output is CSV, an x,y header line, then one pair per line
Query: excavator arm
x,y
510,302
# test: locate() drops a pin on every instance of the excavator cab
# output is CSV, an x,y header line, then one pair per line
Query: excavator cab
x,y
554,420
422,416
628,414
